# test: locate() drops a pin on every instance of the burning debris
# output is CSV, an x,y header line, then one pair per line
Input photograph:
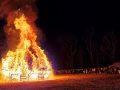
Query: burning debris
x,y
27,61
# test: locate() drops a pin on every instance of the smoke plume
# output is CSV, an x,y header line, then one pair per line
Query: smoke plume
x,y
28,7
7,11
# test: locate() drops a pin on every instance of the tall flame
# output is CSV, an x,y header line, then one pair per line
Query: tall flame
x,y
28,56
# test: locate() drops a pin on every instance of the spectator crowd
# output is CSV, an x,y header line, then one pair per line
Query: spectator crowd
x,y
107,70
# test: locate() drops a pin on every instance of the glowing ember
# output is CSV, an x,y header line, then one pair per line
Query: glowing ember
x,y
28,61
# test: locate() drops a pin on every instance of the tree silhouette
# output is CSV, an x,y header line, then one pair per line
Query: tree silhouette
x,y
96,53
80,56
109,46
68,44
88,42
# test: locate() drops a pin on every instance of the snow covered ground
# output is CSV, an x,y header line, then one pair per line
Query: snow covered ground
x,y
73,81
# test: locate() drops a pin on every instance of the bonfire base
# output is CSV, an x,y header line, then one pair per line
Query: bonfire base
x,y
29,77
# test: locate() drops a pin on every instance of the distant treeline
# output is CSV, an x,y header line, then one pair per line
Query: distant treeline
x,y
89,50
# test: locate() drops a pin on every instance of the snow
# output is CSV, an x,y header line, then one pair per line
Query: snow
x,y
70,81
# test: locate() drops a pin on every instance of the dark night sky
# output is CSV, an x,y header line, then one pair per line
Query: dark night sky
x,y
61,17
64,17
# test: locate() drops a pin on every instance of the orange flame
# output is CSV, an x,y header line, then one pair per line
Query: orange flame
x,y
28,59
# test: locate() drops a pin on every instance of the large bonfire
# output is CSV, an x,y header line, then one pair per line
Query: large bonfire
x,y
28,61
